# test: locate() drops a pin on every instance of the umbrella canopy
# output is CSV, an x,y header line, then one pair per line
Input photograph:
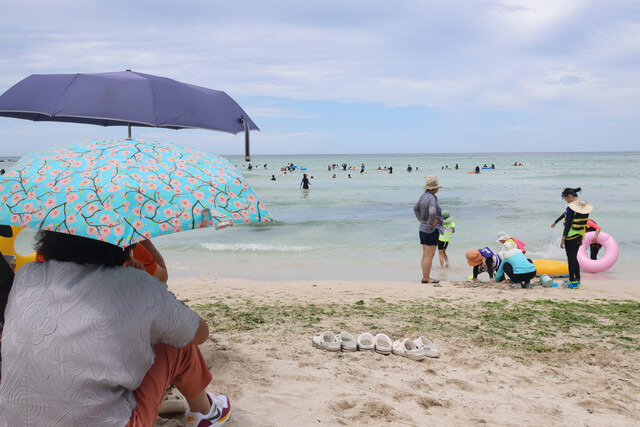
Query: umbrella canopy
x,y
121,99
123,191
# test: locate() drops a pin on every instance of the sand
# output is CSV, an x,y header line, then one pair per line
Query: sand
x,y
274,377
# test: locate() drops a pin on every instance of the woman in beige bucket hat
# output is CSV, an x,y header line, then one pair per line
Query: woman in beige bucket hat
x,y
429,214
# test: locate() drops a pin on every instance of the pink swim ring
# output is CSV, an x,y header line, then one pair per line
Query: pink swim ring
x,y
598,265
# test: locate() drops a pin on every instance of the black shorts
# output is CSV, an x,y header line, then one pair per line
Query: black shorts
x,y
429,239
442,245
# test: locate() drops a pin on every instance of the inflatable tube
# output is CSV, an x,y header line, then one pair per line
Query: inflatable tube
x,y
551,267
7,248
471,171
598,265
486,167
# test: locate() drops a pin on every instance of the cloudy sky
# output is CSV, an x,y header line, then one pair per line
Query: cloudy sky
x,y
352,76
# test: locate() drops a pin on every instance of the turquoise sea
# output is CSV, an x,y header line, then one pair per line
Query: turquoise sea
x,y
363,228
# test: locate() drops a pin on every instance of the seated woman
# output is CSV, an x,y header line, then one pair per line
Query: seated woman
x,y
483,260
89,340
516,266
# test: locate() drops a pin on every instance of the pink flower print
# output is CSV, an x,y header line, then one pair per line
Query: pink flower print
x,y
65,181
56,172
28,207
221,179
177,191
107,206
139,197
78,207
91,230
186,216
105,233
199,195
72,197
152,186
48,227
76,163
40,178
138,225
85,182
236,181
222,200
163,176
15,218
91,209
185,204
55,189
162,202
72,230
55,213
176,222
135,176
168,188
150,209
252,209
126,206
69,189
164,226
192,180
50,202
188,188
231,194
136,211
50,184
245,185
247,220
119,230
168,212
91,196
28,217
40,214
146,234
71,217
197,210
237,204
251,198
15,187
4,197
105,219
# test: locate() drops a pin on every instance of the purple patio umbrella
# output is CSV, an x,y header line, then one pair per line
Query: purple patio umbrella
x,y
124,98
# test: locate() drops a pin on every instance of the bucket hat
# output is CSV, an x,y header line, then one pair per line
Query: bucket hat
x,y
502,236
474,257
432,183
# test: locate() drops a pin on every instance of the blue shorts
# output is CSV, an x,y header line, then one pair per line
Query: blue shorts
x,y
429,239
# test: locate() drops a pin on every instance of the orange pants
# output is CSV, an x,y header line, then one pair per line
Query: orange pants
x,y
184,367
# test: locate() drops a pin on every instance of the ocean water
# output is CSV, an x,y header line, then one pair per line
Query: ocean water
x,y
363,228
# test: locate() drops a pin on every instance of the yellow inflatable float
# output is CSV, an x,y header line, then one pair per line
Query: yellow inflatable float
x,y
551,267
7,247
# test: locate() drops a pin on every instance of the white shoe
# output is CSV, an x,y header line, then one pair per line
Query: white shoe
x,y
218,414
408,349
347,342
382,344
366,342
430,349
326,341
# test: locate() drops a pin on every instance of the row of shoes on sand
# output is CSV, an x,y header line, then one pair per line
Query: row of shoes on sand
x,y
416,349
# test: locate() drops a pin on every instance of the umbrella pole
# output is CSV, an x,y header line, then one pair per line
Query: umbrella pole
x,y
129,129
247,156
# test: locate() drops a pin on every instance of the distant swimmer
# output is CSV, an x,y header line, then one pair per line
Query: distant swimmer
x,y
477,169
493,166
333,176
390,169
250,167
273,177
409,168
349,176
456,166
305,182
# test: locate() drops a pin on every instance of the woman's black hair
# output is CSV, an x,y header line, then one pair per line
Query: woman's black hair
x,y
81,250
571,192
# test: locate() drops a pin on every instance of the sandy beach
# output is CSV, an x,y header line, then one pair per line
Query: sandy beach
x,y
547,356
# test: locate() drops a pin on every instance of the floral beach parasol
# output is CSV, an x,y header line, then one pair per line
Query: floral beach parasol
x,y
123,191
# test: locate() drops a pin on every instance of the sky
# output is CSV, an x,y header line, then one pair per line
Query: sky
x,y
351,76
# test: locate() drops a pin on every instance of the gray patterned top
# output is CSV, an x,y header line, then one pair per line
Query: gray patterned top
x,y
78,340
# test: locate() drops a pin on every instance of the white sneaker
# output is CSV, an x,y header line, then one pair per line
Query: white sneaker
x,y
347,342
408,349
382,344
218,414
326,341
430,349
365,342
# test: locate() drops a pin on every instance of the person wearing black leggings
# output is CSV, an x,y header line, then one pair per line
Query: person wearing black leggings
x,y
575,223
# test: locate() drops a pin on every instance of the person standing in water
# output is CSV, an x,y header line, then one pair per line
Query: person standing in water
x,y
575,224
428,212
305,182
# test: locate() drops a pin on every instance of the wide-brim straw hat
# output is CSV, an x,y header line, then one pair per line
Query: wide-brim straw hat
x,y
474,257
580,206
432,183
502,236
